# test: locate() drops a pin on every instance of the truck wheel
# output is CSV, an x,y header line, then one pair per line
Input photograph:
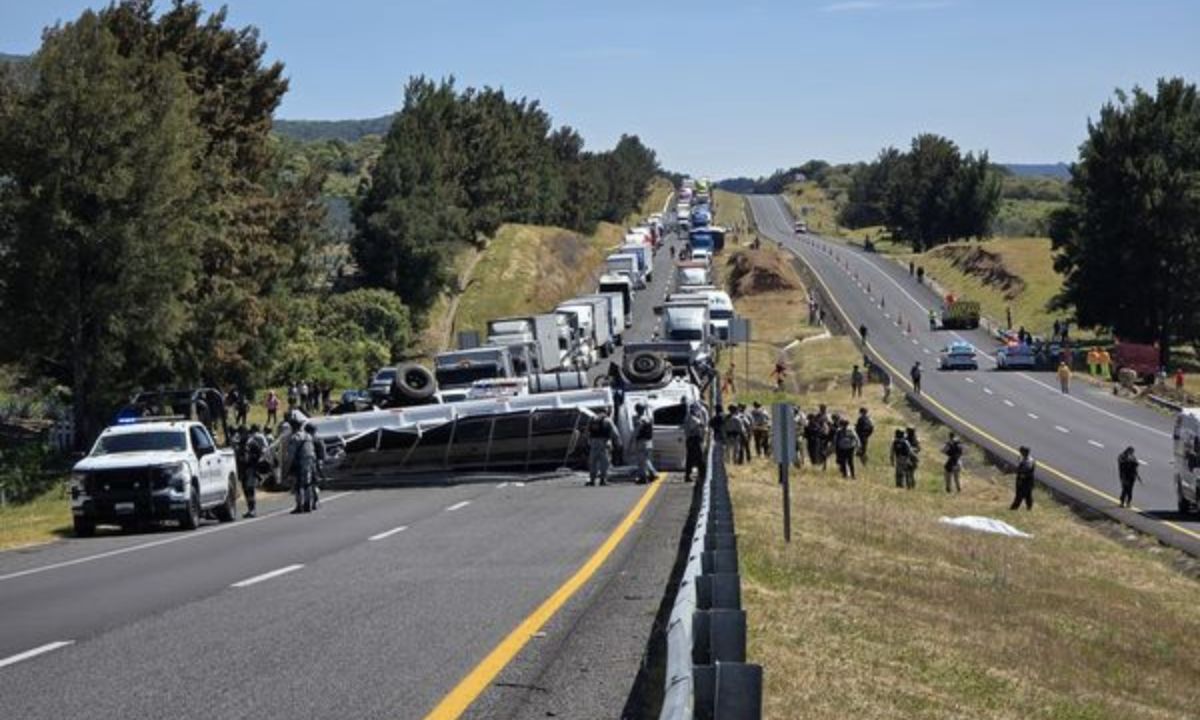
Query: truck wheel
x,y
645,367
415,383
190,520
227,511
84,527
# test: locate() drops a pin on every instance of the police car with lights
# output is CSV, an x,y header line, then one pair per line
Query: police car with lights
x,y
958,356
152,469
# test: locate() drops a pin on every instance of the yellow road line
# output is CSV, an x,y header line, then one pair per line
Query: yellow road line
x,y
456,702
970,426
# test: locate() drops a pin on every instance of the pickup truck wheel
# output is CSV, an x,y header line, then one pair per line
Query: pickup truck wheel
x,y
190,520
84,527
227,511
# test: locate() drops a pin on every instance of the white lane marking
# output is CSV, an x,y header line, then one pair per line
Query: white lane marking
x,y
916,341
969,379
266,576
165,541
988,390
387,533
888,316
458,506
1032,416
1061,429
1093,443
927,352
518,484
1100,410
501,486
41,650
1009,403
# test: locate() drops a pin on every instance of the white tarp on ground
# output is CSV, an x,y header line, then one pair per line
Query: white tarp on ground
x,y
984,524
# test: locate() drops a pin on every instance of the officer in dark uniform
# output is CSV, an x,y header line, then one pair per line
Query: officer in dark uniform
x,y
1026,467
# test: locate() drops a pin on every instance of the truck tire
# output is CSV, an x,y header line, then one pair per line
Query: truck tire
x,y
190,519
645,367
227,510
84,527
414,383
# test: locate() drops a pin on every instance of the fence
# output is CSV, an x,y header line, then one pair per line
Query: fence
x,y
707,676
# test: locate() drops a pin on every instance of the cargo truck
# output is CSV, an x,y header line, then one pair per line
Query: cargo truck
x,y
645,256
615,308
622,263
595,320
623,285
539,331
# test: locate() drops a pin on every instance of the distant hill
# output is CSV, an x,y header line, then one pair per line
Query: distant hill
x,y
347,130
9,58
1061,171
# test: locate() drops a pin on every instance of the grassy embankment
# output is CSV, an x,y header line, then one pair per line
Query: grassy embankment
x,y
875,610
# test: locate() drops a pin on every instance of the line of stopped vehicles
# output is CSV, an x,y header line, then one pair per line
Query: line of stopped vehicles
x,y
514,399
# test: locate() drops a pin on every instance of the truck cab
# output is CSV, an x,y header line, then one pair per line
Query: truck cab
x,y
622,263
692,273
720,307
687,321
153,469
460,368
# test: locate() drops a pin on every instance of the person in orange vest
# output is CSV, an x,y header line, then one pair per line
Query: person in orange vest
x,y
1105,363
1093,361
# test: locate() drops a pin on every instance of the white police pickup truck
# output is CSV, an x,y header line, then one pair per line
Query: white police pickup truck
x,y
153,469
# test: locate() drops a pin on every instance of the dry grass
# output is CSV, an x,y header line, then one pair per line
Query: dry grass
x,y
40,520
876,610
656,197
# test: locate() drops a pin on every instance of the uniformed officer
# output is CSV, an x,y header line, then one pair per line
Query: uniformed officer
x,y
904,460
643,444
256,453
303,458
601,434
1026,467
694,428
953,451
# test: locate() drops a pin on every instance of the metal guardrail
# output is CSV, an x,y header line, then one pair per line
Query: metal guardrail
x,y
707,676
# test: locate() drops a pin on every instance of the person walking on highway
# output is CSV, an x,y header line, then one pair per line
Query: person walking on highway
x,y
856,382
601,434
643,447
760,421
863,428
915,374
256,447
862,333
1026,468
903,459
953,450
845,443
1064,377
694,429
1127,470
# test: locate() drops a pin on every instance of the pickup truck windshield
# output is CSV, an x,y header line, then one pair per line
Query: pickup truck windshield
x,y
141,442
685,334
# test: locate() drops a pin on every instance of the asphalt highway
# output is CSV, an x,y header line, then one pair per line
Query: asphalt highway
x,y
377,605
1075,437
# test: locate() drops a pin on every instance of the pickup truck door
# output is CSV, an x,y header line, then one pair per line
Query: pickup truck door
x,y
209,475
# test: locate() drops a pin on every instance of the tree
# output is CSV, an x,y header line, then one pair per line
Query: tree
x,y
1129,241
100,198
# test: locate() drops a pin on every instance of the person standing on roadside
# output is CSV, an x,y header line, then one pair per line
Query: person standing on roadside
x,y
902,457
887,386
1026,469
733,436
1127,471
694,428
856,382
747,425
845,443
915,374
760,421
303,458
643,438
953,450
864,428
272,405
1064,377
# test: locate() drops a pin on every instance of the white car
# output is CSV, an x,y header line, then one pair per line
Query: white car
x,y
153,470
958,356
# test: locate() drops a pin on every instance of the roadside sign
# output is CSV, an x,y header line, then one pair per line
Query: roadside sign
x,y
468,339
783,433
739,329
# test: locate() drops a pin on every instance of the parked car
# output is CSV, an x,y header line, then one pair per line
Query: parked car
x,y
1015,356
153,470
958,356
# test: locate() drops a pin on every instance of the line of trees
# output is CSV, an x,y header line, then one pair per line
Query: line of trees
x,y
927,196
1128,241
455,165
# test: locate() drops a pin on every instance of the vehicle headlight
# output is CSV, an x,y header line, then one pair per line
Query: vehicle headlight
x,y
78,484
177,476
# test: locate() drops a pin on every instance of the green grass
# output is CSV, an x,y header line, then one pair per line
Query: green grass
x,y
40,520
875,610
1030,259
1019,218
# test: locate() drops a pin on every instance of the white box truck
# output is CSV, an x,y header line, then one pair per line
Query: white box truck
x,y
539,330
622,285
614,306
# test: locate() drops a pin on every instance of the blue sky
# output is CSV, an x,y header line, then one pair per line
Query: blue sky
x,y
732,87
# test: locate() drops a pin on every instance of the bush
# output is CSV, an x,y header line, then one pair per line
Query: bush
x,y
26,471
